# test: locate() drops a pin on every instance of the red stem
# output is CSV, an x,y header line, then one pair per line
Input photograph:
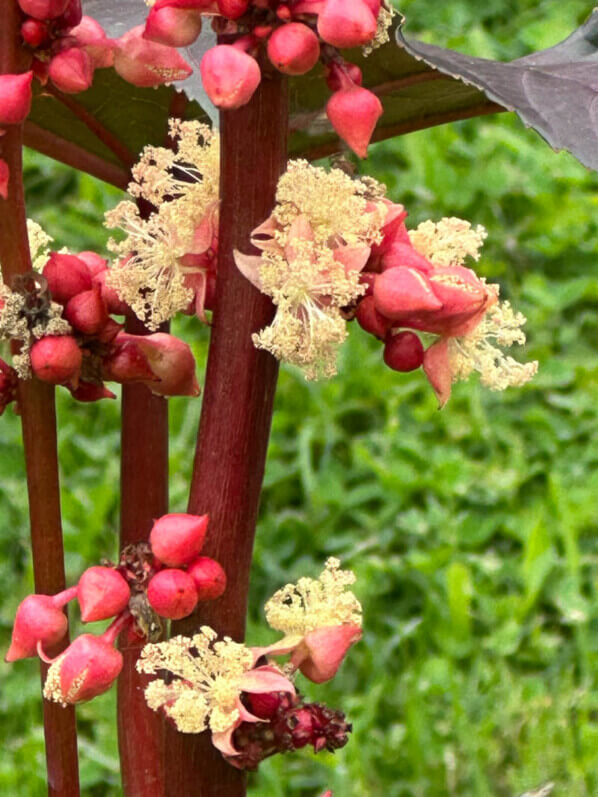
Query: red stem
x,y
237,407
38,417
144,497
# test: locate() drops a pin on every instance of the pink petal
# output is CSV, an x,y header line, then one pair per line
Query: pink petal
x,y
438,370
249,266
353,258
265,679
223,740
327,648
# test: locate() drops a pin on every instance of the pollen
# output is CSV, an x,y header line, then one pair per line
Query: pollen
x,y
479,350
448,242
207,679
39,244
299,608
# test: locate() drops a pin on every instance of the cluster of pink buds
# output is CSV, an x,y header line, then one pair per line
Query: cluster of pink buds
x,y
295,35
416,283
95,347
146,584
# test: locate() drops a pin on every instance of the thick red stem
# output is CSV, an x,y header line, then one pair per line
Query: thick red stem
x,y
237,407
38,416
144,497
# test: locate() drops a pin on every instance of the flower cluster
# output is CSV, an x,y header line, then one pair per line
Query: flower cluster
x,y
248,703
314,245
164,578
418,281
167,261
61,319
295,35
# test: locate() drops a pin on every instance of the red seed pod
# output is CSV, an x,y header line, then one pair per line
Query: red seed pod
x,y
177,538
346,23
370,319
209,578
102,593
353,114
72,70
402,290
174,27
67,276
44,9
403,351
229,76
233,9
86,312
294,49
39,619
34,32
172,594
15,98
56,359
86,669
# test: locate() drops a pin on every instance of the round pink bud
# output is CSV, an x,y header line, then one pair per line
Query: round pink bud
x,y
34,32
233,9
404,351
94,262
346,23
72,70
15,98
102,593
370,319
86,669
56,359
39,619
177,538
401,290
294,48
174,27
229,76
67,276
172,594
44,9
209,578
86,312
353,114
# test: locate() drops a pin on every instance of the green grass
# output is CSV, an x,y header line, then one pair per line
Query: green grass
x,y
472,530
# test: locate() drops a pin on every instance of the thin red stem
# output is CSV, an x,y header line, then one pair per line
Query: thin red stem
x,y
144,497
38,416
237,407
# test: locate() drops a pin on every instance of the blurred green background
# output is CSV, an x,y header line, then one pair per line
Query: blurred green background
x,y
472,530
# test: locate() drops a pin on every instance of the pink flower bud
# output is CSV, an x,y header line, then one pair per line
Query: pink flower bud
x,y
127,363
403,254
370,319
437,368
110,297
322,651
4,178
94,262
67,276
401,290
15,98
146,63
404,352
172,594
34,32
90,35
294,48
175,27
87,668
171,362
177,538
209,578
229,76
72,70
86,312
44,9
90,391
56,359
71,17
233,9
39,620
102,593
346,23
353,114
